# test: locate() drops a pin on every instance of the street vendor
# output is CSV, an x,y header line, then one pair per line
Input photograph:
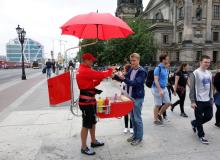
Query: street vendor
x,y
87,80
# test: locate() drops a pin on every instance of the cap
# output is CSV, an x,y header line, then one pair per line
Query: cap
x,y
88,56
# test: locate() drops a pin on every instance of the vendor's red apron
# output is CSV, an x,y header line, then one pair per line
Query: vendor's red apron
x,y
87,99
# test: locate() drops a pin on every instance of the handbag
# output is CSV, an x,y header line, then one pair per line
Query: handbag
x,y
217,98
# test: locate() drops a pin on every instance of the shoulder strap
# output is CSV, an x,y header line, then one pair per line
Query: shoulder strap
x,y
159,71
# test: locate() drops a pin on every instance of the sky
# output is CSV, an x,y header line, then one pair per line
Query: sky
x,y
41,20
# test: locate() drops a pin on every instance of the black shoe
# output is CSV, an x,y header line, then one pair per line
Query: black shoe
x,y
158,123
203,140
160,118
97,144
88,152
193,127
217,125
136,142
132,138
172,108
184,115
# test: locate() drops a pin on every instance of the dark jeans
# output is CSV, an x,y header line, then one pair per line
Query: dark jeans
x,y
126,121
182,96
203,113
217,114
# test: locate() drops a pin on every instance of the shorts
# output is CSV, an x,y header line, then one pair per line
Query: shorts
x,y
88,118
158,100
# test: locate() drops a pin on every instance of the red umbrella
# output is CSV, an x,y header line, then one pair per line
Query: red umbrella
x,y
101,26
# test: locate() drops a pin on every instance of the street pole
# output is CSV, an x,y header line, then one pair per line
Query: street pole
x,y
21,37
23,67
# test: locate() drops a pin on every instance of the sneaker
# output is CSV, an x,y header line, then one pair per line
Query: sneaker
x,y
136,142
217,125
193,127
131,131
160,118
125,130
130,139
88,151
166,119
158,123
97,144
184,115
203,140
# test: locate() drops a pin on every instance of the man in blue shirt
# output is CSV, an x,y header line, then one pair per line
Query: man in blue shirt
x,y
159,89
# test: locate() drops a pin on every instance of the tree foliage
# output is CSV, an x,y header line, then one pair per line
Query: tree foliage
x,y
117,51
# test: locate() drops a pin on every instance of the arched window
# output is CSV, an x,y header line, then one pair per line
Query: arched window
x,y
159,16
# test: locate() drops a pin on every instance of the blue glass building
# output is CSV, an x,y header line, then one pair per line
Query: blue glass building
x,y
33,50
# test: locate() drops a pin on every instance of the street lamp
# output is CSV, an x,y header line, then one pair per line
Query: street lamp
x,y
21,36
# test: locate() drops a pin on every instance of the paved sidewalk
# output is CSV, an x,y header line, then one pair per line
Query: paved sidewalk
x,y
35,131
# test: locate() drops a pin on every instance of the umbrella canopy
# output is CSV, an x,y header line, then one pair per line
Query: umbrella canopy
x,y
101,26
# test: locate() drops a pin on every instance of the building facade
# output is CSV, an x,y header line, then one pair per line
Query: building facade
x,y
185,29
129,8
33,50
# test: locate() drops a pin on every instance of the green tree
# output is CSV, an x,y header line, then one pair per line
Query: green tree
x,y
97,49
117,51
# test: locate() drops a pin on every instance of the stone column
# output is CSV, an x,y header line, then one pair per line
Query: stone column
x,y
187,32
174,21
208,22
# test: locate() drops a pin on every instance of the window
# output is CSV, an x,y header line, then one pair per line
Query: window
x,y
215,56
215,36
198,55
216,11
158,16
181,13
177,56
180,37
131,1
165,39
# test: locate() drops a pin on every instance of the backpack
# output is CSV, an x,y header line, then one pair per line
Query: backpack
x,y
150,78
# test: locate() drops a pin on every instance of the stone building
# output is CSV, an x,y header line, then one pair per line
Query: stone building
x,y
185,29
129,8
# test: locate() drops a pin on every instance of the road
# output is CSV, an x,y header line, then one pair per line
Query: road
x,y
7,75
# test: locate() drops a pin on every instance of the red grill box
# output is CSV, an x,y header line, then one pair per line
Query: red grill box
x,y
118,109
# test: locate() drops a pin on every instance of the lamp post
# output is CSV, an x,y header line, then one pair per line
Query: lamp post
x,y
21,36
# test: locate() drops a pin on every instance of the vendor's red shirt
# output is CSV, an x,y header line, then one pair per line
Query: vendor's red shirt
x,y
87,78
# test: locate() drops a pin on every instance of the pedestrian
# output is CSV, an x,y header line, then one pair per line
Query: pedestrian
x,y
57,68
134,79
71,65
201,97
48,68
124,91
216,84
53,66
87,80
159,89
181,80
65,67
